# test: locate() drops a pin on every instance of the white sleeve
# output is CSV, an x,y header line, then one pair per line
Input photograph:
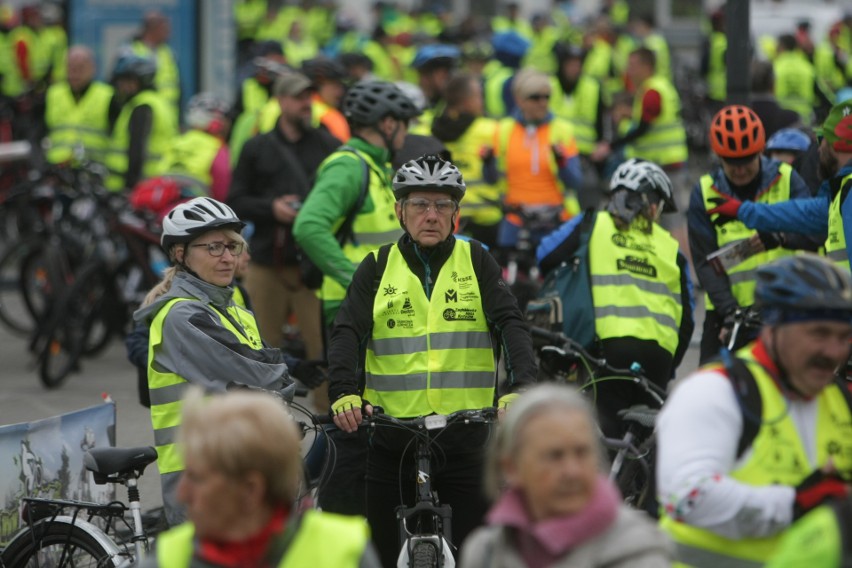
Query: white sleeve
x,y
698,431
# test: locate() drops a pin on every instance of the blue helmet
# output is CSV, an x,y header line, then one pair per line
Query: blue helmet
x,y
510,48
843,94
436,55
789,139
803,287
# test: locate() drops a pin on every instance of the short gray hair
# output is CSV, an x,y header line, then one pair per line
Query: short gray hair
x,y
534,402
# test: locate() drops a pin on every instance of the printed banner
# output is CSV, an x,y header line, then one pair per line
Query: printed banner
x,y
45,459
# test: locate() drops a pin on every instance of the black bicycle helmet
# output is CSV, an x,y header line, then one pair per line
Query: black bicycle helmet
x,y
805,285
641,176
131,65
367,102
323,69
188,220
428,173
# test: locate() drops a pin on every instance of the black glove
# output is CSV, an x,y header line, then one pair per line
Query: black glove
x,y
311,372
771,240
817,488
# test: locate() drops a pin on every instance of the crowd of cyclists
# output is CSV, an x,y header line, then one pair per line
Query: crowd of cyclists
x,y
399,196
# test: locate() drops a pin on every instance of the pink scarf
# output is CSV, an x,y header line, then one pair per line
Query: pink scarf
x,y
542,543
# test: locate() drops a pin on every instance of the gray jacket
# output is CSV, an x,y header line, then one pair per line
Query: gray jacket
x,y
197,347
632,541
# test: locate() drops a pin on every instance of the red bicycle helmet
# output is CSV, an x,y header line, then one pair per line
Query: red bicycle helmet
x,y
737,132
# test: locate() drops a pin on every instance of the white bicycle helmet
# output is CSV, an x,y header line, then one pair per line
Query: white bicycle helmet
x,y
204,109
642,176
429,173
188,220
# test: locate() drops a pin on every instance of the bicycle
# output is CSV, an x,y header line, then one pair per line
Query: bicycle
x,y
65,533
744,319
631,468
425,528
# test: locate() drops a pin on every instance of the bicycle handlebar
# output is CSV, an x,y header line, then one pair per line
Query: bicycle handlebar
x,y
430,422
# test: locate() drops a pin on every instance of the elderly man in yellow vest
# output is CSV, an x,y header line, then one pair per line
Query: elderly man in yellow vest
x,y
77,111
749,444
427,312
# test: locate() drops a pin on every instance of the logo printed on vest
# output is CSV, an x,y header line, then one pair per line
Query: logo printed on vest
x,y
451,296
455,277
462,314
626,241
390,290
637,266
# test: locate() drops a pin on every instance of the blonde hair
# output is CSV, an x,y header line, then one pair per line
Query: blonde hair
x,y
244,431
529,81
534,402
165,284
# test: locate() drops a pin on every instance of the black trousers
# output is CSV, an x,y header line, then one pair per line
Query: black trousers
x,y
457,468
342,486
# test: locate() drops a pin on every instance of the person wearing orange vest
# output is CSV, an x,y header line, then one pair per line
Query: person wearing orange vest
x,y
749,444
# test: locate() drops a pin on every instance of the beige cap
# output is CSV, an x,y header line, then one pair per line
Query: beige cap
x,y
290,84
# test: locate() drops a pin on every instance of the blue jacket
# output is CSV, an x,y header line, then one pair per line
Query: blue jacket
x,y
702,233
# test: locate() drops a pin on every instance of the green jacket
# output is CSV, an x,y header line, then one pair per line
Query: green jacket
x,y
334,193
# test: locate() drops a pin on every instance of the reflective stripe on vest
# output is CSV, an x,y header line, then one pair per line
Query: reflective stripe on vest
x,y
192,156
835,242
580,108
427,355
665,142
375,225
776,457
482,201
309,546
72,123
636,283
163,132
742,276
167,388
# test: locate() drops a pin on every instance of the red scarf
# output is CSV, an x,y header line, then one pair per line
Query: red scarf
x,y
246,553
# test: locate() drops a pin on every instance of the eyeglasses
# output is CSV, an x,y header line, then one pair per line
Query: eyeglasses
x,y
539,97
422,206
218,248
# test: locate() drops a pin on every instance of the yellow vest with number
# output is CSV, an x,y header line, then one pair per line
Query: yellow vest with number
x,y
743,276
665,142
482,200
72,123
636,283
375,225
430,354
163,132
192,156
167,388
835,243
777,457
321,539
580,108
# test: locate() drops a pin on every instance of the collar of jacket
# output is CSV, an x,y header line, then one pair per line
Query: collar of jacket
x,y
196,287
435,256
379,155
519,117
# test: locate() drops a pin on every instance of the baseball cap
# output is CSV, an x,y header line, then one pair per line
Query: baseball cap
x,y
290,84
837,128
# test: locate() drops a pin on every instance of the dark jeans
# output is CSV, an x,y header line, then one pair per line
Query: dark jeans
x,y
457,467
342,487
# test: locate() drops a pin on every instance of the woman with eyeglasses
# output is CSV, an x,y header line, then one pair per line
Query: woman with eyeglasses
x,y
198,334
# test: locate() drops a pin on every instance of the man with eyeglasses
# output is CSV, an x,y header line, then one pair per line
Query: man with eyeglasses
x,y
737,138
428,312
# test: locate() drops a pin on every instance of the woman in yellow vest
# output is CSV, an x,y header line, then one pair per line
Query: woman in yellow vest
x,y
241,490
198,334
748,445
427,313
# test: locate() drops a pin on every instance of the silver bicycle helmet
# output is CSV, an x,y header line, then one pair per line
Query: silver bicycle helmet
x,y
642,176
203,109
188,220
429,173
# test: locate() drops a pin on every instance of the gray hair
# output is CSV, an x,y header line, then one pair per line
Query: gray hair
x,y
534,402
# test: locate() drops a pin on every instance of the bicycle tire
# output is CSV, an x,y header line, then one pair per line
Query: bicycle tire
x,y
43,544
21,299
635,482
423,555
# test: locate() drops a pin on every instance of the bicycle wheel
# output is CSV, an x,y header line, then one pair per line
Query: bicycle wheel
x,y
23,296
424,554
59,543
636,478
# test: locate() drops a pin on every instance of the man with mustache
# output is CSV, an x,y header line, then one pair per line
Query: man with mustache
x,y
752,442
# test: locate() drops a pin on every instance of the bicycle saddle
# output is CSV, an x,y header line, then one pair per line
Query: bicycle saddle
x,y
641,414
116,464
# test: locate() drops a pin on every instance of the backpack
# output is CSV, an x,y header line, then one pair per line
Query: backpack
x,y
564,302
